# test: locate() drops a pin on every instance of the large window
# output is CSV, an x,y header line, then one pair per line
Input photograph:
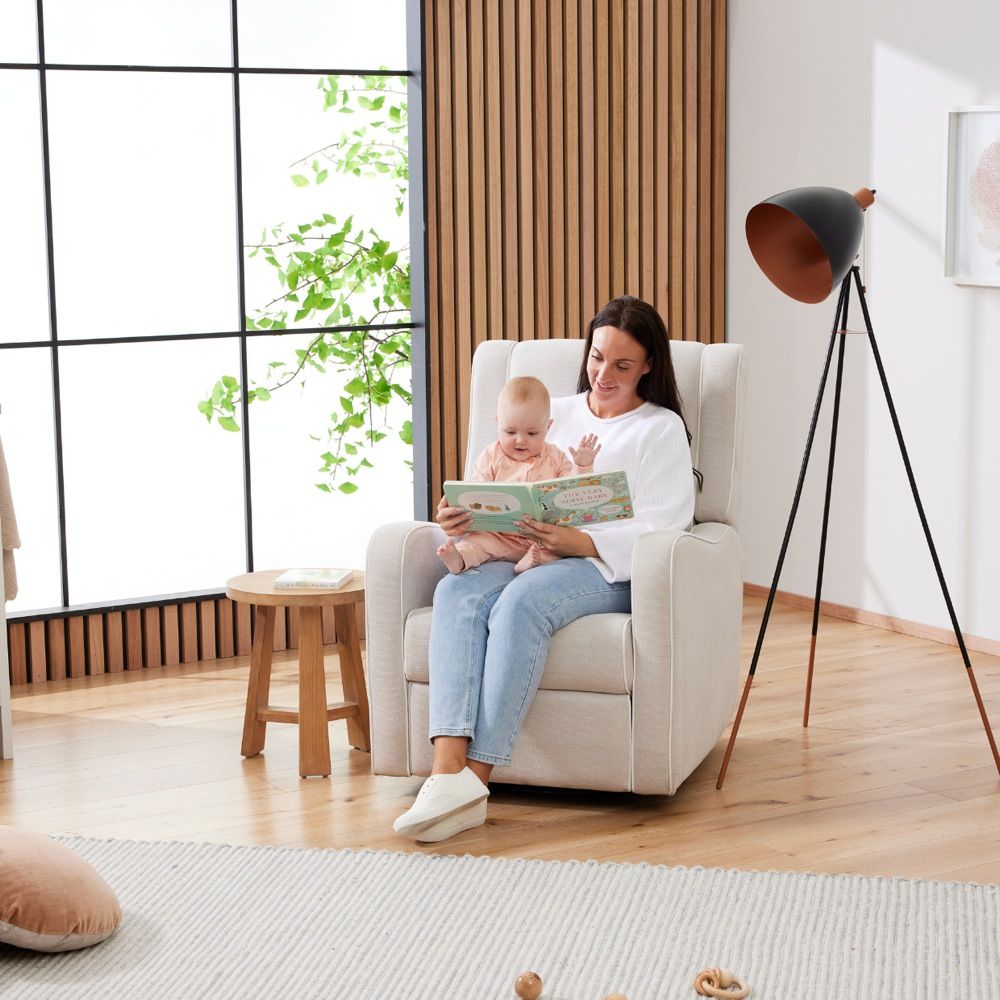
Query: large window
x,y
205,354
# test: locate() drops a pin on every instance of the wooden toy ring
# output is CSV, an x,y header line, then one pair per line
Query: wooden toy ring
x,y
720,983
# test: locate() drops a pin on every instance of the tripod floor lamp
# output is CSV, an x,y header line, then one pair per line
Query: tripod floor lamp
x,y
806,241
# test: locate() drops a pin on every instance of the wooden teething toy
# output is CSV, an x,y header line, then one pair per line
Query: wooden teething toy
x,y
528,985
720,983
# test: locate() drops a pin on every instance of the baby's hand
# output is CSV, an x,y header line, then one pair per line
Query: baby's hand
x,y
586,451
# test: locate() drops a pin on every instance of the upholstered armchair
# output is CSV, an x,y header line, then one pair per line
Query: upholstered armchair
x,y
627,702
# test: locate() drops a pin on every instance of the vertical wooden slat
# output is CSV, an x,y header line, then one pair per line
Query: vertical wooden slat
x,y
55,634
114,642
540,138
225,638
329,626
571,143
280,631
493,85
133,639
37,658
675,126
151,648
588,167
206,622
171,635
633,140
292,637
602,151
95,644
77,647
17,652
189,632
510,180
360,615
557,174
526,175
703,154
647,167
243,630
479,238
691,220
463,333
434,277
719,173
617,150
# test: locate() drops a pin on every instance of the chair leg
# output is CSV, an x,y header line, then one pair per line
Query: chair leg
x,y
259,683
314,730
352,675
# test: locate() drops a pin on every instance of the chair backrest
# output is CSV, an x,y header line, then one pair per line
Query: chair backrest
x,y
712,383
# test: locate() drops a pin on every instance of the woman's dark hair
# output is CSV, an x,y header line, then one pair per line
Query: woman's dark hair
x,y
645,325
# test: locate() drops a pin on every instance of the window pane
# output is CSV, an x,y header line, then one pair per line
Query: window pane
x,y
296,177
150,33
22,208
26,428
318,34
18,31
154,495
144,203
295,524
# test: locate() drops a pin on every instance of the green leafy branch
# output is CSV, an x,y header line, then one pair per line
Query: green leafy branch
x,y
340,274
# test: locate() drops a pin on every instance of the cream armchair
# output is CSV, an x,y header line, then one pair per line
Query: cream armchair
x,y
627,702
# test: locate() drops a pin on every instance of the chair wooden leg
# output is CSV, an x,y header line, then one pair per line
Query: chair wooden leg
x,y
352,675
259,684
314,733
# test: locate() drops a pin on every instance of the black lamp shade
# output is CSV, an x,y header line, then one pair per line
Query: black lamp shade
x,y
805,239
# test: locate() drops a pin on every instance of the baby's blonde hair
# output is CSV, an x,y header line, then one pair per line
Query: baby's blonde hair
x,y
524,389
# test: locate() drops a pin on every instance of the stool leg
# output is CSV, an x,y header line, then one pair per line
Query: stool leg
x,y
314,733
352,675
259,684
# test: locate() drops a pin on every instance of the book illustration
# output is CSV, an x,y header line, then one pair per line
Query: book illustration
x,y
573,501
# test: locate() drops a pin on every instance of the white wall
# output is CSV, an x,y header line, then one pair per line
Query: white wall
x,y
848,95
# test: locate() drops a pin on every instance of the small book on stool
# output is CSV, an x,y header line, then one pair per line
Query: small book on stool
x,y
330,578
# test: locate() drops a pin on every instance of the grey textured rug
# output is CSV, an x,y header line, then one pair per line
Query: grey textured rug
x,y
203,920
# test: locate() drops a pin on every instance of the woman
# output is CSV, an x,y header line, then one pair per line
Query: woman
x,y
490,628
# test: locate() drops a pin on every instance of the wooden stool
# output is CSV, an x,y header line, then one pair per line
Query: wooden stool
x,y
314,713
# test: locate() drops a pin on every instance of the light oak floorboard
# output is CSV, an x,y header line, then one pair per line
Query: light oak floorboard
x,y
892,777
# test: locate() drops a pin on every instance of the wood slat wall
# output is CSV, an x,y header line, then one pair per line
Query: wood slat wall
x,y
115,641
575,151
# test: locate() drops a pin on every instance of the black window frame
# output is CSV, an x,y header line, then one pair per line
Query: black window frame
x,y
413,73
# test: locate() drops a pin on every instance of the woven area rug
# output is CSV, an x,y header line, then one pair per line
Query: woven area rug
x,y
203,920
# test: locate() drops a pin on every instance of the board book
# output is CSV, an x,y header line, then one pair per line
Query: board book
x,y
572,501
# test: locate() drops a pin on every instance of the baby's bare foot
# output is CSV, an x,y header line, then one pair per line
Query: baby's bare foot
x,y
451,557
530,559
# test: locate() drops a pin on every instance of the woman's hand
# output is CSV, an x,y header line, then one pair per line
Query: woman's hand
x,y
454,520
564,542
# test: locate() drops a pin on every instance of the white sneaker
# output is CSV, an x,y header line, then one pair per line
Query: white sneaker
x,y
441,796
465,819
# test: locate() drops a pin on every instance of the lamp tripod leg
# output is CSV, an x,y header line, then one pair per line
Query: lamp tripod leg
x,y
826,510
844,287
923,520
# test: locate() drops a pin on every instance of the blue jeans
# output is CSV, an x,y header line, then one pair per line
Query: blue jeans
x,y
490,635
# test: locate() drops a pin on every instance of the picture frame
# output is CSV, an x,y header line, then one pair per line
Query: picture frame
x,y
972,206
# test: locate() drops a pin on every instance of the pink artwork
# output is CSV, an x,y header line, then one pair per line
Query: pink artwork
x,y
972,226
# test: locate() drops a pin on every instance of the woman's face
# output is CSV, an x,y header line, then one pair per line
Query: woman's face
x,y
614,366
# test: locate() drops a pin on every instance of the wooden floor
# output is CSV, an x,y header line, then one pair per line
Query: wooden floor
x,y
893,776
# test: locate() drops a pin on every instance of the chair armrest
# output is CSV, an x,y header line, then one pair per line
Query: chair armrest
x,y
401,571
687,607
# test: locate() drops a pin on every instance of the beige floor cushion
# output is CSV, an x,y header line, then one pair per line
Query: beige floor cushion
x,y
50,898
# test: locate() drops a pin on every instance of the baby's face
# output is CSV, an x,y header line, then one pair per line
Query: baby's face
x,y
522,428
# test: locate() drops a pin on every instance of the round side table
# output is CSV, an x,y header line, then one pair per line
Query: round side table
x,y
313,713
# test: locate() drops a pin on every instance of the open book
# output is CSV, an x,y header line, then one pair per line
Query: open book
x,y
573,501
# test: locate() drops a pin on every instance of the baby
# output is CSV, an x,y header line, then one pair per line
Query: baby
x,y
521,454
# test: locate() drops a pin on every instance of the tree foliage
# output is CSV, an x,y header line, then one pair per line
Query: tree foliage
x,y
335,271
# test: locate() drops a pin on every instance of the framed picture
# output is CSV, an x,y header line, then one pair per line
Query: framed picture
x,y
972,214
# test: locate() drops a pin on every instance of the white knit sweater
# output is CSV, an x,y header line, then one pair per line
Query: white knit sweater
x,y
651,445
